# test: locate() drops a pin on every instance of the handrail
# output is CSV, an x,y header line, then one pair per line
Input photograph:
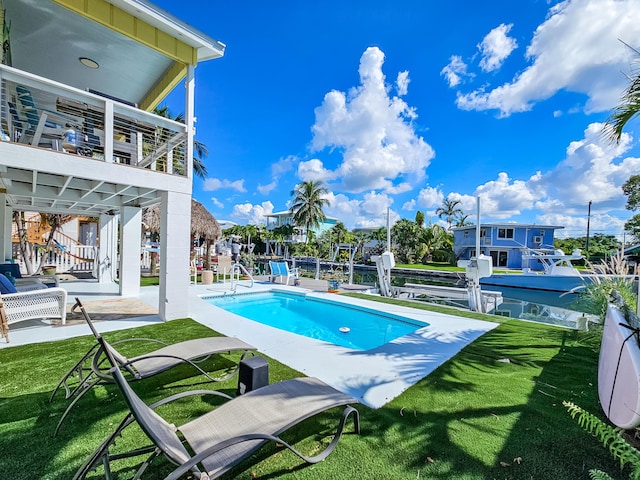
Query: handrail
x,y
236,269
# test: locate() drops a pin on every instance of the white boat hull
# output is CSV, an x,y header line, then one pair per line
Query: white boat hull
x,y
550,283
619,372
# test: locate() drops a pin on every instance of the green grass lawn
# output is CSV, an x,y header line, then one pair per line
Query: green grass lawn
x,y
494,411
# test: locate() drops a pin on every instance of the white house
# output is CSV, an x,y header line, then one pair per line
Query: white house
x,y
77,88
280,219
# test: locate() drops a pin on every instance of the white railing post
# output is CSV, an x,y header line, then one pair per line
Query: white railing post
x,y
108,131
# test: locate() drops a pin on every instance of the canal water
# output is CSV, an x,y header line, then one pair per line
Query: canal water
x,y
525,304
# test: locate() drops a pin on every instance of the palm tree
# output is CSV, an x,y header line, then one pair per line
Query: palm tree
x,y
435,239
339,233
307,205
628,108
200,150
463,220
449,210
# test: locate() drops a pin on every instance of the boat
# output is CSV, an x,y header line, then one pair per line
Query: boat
x,y
558,274
619,370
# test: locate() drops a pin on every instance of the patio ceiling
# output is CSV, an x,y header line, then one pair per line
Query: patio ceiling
x,y
48,39
31,190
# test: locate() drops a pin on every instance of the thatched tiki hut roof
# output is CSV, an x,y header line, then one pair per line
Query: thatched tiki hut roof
x,y
203,224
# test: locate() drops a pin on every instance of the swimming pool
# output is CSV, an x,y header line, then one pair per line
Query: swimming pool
x,y
349,326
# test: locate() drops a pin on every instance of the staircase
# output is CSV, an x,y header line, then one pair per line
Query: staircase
x,y
65,253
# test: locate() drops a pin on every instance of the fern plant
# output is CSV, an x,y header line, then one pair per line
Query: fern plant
x,y
611,438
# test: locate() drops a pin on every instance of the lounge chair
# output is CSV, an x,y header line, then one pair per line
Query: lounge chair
x,y
90,370
281,269
37,120
222,438
45,303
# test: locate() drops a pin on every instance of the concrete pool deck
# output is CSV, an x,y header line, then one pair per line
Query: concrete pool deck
x,y
374,376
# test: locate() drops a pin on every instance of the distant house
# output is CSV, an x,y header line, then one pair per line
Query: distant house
x,y
279,219
505,243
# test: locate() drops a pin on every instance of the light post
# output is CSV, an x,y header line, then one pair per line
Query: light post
x,y
588,224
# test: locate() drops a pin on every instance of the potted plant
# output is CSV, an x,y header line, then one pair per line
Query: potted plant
x,y
49,270
248,260
334,280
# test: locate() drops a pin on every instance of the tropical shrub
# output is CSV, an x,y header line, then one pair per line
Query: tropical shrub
x,y
609,277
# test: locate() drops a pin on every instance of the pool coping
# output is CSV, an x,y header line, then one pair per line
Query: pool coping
x,y
374,377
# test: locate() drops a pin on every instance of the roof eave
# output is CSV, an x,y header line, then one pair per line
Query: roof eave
x,y
208,48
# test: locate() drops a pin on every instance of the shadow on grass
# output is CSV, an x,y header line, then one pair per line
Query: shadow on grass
x,y
494,411
28,420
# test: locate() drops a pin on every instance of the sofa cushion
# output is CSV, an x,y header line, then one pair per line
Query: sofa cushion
x,y
6,286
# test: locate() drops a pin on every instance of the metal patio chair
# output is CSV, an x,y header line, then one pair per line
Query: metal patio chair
x,y
282,270
222,438
91,370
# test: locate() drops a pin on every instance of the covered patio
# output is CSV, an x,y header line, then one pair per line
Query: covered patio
x,y
79,136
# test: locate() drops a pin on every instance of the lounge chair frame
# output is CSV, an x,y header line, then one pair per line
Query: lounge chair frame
x,y
90,369
214,453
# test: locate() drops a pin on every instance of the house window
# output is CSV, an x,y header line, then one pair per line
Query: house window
x,y
466,234
483,232
505,233
500,258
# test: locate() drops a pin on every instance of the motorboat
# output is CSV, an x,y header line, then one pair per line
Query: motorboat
x,y
558,274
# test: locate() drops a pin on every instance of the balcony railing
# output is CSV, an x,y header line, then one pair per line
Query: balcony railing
x,y
35,111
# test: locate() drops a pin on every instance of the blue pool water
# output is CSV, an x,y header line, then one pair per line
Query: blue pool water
x,y
319,319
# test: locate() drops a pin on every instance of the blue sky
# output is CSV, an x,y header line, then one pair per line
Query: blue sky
x,y
402,104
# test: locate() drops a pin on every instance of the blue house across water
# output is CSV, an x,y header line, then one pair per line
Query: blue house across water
x,y
505,243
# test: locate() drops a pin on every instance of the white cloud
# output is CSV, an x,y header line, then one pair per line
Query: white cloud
x,y
217,203
370,211
402,83
252,214
503,198
576,49
373,131
455,70
211,184
314,170
410,205
430,197
576,226
375,203
266,189
496,47
593,170
283,165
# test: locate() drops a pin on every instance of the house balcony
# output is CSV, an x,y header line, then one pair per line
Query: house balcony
x,y
84,153
38,112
